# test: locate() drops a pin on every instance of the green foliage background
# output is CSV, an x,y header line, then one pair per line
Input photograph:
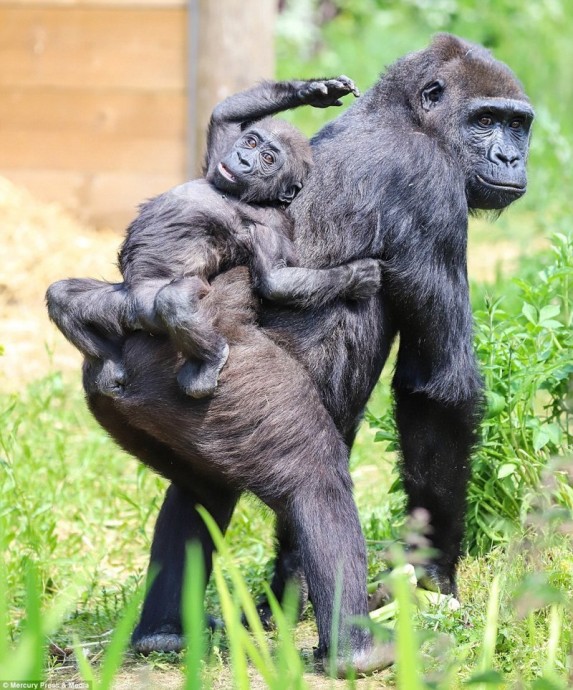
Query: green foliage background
x,y
78,509
534,38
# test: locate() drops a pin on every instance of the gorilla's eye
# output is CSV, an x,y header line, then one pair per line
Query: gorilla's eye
x,y
251,142
515,124
268,158
485,121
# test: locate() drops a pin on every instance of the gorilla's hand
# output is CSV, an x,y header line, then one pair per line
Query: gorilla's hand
x,y
365,279
322,93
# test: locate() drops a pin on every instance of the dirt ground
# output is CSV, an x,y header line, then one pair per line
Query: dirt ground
x,y
138,674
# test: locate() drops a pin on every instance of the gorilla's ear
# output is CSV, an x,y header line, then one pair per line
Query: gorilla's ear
x,y
432,94
287,195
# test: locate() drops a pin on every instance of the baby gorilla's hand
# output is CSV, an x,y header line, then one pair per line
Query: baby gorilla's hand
x,y
365,279
322,93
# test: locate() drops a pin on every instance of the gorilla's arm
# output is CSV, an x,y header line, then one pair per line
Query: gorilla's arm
x,y
234,114
307,287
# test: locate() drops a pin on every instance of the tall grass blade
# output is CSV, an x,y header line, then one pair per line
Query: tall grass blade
x,y
119,642
84,666
408,669
3,611
555,628
490,632
289,663
194,615
27,660
266,665
234,628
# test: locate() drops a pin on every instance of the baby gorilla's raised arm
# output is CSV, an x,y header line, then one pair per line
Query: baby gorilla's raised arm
x,y
307,287
236,113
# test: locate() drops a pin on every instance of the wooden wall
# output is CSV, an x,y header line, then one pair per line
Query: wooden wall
x,y
94,107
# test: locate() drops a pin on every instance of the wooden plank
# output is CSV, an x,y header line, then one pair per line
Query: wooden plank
x,y
95,3
48,185
114,198
107,199
75,151
100,47
95,113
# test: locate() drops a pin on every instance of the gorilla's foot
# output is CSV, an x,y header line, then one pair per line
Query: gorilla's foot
x,y
159,642
380,597
164,638
436,579
108,378
199,379
168,638
374,657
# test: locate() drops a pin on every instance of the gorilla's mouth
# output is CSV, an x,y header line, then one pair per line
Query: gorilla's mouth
x,y
503,186
227,174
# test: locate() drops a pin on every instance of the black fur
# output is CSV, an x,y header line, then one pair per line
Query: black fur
x,y
394,178
184,237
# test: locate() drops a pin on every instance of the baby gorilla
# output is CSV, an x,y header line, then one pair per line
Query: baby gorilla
x,y
183,238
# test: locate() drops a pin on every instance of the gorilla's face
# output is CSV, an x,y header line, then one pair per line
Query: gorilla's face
x,y
489,134
257,169
496,134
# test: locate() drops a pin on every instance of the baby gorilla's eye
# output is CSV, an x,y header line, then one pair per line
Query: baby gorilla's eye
x,y
485,121
268,158
251,142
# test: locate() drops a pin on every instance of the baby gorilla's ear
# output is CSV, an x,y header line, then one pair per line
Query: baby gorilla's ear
x,y
288,194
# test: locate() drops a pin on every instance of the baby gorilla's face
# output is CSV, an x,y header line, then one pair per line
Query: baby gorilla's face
x,y
255,168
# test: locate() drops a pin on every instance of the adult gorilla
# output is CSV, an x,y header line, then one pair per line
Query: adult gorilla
x,y
445,131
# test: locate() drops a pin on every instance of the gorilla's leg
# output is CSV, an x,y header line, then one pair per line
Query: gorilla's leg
x,y
436,441
178,307
287,569
287,566
332,551
89,313
178,524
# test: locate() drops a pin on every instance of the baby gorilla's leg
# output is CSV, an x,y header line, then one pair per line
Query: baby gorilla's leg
x,y
206,351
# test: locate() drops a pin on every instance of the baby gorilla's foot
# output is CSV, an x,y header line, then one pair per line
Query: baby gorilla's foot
x,y
110,378
198,379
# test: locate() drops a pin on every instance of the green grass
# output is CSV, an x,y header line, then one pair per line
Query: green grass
x,y
76,516
76,513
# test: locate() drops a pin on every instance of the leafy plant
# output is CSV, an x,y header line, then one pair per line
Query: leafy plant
x,y
525,350
528,371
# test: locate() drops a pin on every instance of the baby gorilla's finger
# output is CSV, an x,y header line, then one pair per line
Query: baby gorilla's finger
x,y
348,85
318,87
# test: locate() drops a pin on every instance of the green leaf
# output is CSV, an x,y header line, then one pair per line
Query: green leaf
x,y
548,312
495,404
551,323
530,313
554,432
540,438
545,684
506,470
